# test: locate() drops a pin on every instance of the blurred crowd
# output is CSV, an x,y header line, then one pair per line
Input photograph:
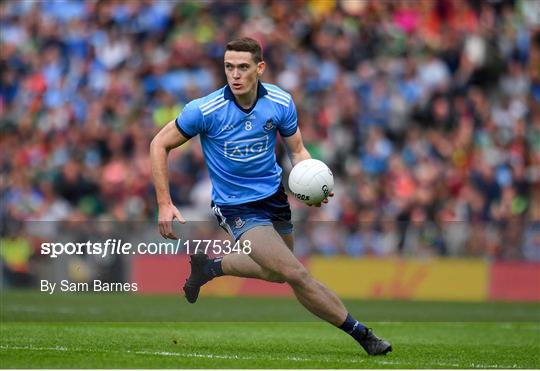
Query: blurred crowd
x,y
427,111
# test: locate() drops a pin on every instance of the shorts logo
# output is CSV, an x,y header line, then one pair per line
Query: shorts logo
x,y
247,149
269,125
238,222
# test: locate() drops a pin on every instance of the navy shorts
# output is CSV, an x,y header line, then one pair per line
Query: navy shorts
x,y
273,210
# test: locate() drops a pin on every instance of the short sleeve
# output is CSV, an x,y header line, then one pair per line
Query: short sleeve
x,y
289,124
190,121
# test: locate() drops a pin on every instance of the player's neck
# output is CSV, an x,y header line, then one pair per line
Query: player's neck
x,y
246,100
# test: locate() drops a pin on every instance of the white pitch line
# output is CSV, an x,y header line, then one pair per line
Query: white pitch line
x,y
57,348
167,354
236,357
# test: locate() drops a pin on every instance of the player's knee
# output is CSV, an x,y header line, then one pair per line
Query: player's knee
x,y
271,276
276,277
296,276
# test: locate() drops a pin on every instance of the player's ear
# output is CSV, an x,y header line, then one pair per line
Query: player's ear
x,y
261,66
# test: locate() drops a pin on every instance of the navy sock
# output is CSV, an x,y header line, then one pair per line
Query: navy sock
x,y
213,268
353,328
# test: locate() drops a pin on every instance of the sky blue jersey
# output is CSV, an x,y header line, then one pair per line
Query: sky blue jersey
x,y
239,144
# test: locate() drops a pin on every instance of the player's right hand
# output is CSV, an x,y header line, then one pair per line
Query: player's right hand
x,y
325,201
166,214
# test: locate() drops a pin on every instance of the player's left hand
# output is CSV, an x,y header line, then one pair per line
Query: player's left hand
x,y
325,201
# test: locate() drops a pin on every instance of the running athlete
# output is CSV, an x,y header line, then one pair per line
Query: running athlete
x,y
238,125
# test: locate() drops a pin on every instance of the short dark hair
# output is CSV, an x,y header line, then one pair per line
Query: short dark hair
x,y
246,44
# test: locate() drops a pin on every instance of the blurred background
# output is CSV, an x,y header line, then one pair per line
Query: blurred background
x,y
428,113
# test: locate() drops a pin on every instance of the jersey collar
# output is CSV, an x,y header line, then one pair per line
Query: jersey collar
x,y
261,92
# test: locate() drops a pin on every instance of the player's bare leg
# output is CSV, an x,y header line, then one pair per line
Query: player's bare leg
x,y
204,269
271,259
241,265
270,252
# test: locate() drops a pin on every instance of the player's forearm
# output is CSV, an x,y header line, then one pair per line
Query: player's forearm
x,y
298,156
160,172
167,139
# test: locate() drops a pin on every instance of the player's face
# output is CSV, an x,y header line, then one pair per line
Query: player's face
x,y
242,72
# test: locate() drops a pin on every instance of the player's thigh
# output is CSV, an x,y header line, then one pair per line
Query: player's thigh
x,y
269,250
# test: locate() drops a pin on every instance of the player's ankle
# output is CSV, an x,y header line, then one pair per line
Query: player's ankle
x,y
213,268
354,328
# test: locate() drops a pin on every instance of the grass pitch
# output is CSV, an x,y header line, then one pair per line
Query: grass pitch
x,y
135,331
